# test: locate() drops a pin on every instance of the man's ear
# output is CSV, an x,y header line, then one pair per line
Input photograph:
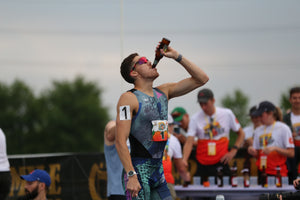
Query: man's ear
x,y
133,74
43,186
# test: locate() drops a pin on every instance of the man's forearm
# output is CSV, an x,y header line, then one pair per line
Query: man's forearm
x,y
187,148
124,155
196,72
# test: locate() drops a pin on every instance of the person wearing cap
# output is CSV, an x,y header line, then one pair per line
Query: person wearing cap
x,y
273,141
173,155
180,115
37,184
249,130
212,126
142,115
114,166
5,176
292,119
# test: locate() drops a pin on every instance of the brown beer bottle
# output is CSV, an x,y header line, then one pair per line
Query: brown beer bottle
x,y
278,179
234,182
246,175
220,176
264,178
163,45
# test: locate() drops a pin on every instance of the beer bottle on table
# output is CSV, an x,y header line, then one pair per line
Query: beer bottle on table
x,y
278,179
220,176
264,177
234,182
246,175
163,45
246,172
205,181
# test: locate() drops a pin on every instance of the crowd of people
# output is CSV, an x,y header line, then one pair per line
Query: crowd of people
x,y
143,118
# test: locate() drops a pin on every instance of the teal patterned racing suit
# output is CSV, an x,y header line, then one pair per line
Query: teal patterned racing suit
x,y
147,154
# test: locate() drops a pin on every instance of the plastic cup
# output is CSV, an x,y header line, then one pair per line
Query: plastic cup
x,y
196,180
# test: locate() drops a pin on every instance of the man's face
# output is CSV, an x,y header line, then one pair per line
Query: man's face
x,y
145,69
184,123
208,107
295,100
32,189
256,120
170,128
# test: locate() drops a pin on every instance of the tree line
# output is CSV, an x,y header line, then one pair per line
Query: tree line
x,y
70,116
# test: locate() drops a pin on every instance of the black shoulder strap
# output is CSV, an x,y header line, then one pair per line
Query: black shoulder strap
x,y
132,90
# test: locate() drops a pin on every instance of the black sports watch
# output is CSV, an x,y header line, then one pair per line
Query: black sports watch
x,y
131,173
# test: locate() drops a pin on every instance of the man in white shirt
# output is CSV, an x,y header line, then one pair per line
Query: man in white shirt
x,y
292,119
249,130
212,126
5,176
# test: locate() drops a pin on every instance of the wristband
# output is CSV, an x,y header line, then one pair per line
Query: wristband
x,y
179,58
235,147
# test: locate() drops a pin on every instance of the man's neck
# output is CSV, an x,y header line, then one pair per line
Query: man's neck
x,y
210,114
296,111
41,196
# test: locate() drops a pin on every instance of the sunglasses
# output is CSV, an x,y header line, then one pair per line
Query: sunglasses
x,y
141,61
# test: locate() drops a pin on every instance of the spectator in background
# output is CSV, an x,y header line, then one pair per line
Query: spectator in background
x,y
114,166
292,119
5,176
249,130
173,155
180,115
273,141
37,184
212,126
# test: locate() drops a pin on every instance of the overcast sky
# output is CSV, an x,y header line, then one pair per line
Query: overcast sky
x,y
252,45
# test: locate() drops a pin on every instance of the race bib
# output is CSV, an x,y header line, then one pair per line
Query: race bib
x,y
211,151
159,130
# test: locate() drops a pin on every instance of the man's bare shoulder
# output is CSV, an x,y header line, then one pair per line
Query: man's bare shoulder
x,y
126,97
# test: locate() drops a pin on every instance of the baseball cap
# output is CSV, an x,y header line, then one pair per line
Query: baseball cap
x,y
204,95
264,106
178,113
38,175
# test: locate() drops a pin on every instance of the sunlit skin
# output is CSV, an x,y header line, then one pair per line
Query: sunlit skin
x,y
36,189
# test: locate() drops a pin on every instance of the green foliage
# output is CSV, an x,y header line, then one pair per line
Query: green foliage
x,y
69,117
285,104
238,103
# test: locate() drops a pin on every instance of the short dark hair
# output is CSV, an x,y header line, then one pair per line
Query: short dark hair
x,y
294,90
126,67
